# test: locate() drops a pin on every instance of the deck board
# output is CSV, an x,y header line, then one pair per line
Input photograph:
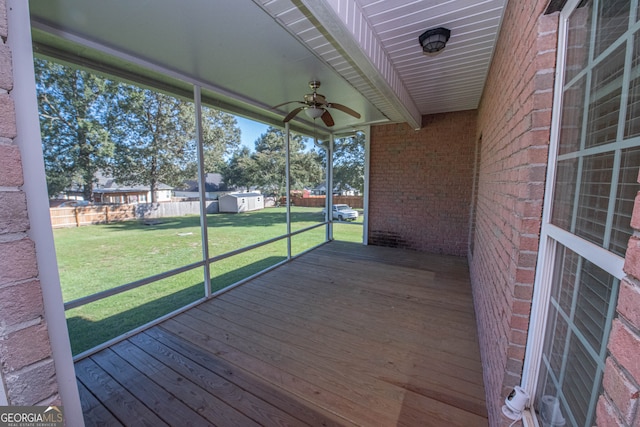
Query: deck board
x,y
94,411
124,406
345,335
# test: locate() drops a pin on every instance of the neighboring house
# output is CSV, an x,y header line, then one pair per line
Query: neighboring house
x,y
535,182
113,193
241,202
74,192
339,189
214,187
107,191
213,182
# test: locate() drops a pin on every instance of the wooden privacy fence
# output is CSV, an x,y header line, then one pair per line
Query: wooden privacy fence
x,y
318,201
87,215
105,214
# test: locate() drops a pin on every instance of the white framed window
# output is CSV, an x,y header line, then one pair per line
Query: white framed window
x,y
591,185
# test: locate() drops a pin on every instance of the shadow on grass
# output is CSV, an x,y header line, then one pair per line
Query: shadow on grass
x,y
86,334
263,218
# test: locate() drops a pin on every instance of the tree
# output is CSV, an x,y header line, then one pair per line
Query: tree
x,y
266,167
221,138
348,162
156,140
236,172
73,107
151,131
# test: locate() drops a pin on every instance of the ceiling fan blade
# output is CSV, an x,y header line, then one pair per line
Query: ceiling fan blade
x,y
327,119
344,109
285,103
292,114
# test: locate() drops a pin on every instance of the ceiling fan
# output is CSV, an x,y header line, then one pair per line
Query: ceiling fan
x,y
316,105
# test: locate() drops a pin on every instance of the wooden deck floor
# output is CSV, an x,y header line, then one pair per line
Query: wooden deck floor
x,y
344,335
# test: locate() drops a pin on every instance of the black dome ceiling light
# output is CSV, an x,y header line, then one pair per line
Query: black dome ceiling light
x,y
433,41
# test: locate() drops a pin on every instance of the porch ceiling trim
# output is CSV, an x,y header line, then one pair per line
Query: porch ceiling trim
x,y
339,33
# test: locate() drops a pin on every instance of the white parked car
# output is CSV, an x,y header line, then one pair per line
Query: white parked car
x,y
343,213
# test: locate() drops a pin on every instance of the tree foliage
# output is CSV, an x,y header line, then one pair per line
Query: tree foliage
x,y
155,137
266,167
236,172
221,138
151,132
137,135
140,136
76,142
348,162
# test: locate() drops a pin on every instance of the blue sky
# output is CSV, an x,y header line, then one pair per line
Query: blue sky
x,y
250,131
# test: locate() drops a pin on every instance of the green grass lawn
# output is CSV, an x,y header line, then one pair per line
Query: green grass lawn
x,y
99,257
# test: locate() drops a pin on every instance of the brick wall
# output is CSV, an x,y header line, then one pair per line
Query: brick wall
x,y
513,122
28,373
421,183
619,404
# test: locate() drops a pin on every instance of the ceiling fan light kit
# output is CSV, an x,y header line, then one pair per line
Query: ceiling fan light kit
x,y
433,41
316,105
314,112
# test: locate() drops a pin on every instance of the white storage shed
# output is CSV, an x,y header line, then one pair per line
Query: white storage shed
x,y
241,202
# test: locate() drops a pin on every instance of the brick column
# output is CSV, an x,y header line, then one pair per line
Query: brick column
x,y
618,405
26,365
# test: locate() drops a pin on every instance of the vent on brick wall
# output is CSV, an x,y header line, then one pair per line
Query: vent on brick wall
x,y
389,239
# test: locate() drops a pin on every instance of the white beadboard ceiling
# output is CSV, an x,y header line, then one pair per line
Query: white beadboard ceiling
x,y
249,55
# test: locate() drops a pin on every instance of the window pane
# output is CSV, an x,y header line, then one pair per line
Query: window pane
x,y
613,20
628,187
578,40
573,356
546,384
632,124
593,203
556,342
563,197
564,282
604,104
592,304
581,372
572,117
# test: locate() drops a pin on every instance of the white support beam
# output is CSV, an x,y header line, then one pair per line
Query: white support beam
x,y
287,148
197,97
329,192
35,188
367,160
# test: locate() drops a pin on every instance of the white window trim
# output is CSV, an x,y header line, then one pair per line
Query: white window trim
x,y
546,252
